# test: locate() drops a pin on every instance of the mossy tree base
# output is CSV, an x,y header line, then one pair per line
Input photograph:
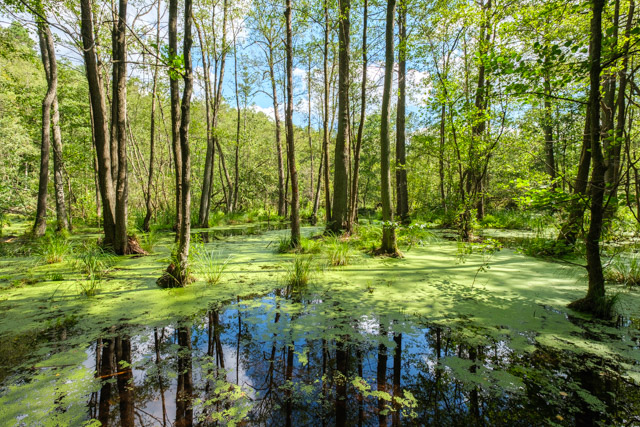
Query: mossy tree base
x,y
173,278
601,308
382,252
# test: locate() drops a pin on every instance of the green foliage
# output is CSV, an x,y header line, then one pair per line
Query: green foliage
x,y
510,219
413,235
283,245
148,240
544,247
624,270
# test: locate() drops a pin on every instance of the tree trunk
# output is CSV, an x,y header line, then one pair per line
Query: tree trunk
x,y
402,209
120,242
152,132
353,202
46,45
573,225
293,173
174,88
212,138
389,245
550,162
185,118
99,128
612,175
236,181
325,119
340,179
596,292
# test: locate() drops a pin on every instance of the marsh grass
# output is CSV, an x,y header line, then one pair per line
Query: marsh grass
x,y
298,273
283,245
210,264
339,251
95,262
53,248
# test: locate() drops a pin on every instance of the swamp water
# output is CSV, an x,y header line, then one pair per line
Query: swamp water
x,y
381,342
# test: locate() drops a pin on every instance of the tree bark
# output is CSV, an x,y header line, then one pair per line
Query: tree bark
x,y
353,202
40,225
389,245
212,138
340,179
99,128
596,291
402,196
325,119
152,131
185,118
174,89
293,173
120,242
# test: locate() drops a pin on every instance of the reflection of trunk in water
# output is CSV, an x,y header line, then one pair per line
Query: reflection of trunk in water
x,y
105,373
359,396
157,340
382,377
341,381
289,384
474,395
125,380
397,367
184,391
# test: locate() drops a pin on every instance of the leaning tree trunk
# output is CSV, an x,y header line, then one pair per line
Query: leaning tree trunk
x,y
593,301
293,173
99,129
340,178
51,70
402,195
40,225
389,245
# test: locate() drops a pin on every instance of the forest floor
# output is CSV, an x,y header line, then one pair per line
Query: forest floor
x,y
508,331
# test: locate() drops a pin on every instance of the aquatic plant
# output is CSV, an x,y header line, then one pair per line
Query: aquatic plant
x,y
53,248
309,246
210,264
91,286
284,245
298,272
339,251
94,261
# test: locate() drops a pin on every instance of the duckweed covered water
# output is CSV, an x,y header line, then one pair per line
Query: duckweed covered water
x,y
423,340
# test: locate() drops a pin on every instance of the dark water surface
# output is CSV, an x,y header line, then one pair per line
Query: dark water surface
x,y
284,360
